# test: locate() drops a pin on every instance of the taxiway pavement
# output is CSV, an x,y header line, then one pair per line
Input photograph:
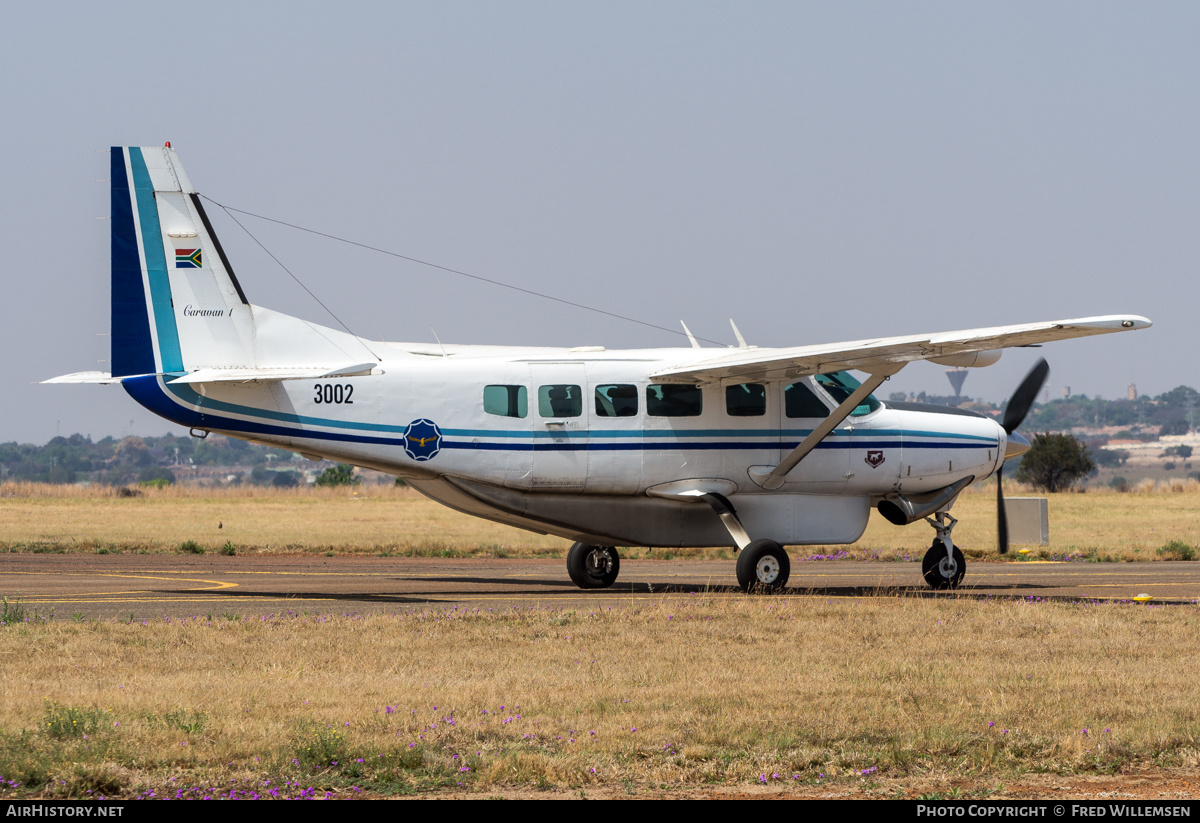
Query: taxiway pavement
x,y
158,586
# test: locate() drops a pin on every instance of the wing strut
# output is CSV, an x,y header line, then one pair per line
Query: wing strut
x,y
771,479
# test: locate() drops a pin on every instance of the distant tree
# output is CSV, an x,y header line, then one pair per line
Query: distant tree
x,y
1180,397
1110,458
157,475
1173,427
133,452
1055,462
340,475
286,479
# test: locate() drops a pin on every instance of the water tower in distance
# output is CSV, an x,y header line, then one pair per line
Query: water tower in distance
x,y
957,377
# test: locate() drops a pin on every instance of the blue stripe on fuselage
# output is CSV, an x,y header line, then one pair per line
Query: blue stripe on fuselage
x,y
182,409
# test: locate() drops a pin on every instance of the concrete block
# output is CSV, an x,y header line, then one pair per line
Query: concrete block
x,y
1028,521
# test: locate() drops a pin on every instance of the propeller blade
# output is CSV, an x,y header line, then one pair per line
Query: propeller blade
x,y
1001,514
1024,396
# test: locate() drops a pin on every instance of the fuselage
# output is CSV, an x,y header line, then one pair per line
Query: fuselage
x,y
533,426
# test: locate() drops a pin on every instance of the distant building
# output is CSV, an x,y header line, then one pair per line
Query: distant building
x,y
1131,392
1066,391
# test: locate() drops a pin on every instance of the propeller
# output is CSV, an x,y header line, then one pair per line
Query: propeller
x,y
1014,416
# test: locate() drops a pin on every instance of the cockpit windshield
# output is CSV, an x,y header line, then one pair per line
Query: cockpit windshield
x,y
841,385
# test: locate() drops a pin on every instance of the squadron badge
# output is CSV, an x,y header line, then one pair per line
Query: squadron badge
x,y
422,440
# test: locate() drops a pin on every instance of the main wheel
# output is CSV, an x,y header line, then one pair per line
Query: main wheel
x,y
593,567
763,565
940,571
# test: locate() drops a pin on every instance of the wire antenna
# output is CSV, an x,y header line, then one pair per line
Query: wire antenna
x,y
460,273
297,279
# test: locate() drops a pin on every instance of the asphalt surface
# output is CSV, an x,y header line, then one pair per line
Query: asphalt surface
x,y
157,586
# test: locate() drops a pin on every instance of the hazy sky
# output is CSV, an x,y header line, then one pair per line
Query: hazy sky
x,y
819,172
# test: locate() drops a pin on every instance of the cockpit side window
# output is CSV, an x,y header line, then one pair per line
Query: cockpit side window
x,y
841,385
799,401
746,400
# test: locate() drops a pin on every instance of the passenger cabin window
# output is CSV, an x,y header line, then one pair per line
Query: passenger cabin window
x,y
673,400
506,401
799,401
746,400
560,400
618,400
841,385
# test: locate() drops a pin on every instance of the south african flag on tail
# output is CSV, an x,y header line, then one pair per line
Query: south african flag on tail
x,y
187,258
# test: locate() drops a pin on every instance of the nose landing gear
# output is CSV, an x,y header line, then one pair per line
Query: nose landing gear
x,y
944,565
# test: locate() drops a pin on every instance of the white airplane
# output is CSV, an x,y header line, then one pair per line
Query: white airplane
x,y
750,448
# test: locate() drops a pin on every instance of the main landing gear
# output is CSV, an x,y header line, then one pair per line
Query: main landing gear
x,y
944,565
593,567
763,566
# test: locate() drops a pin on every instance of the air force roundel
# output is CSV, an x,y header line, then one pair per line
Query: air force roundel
x,y
422,440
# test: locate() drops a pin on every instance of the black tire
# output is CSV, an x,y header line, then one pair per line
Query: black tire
x,y
763,566
593,567
937,575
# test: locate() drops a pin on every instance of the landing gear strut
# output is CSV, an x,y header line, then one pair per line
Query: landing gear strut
x,y
944,565
593,567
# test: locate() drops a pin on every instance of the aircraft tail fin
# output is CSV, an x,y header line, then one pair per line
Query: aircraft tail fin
x,y
177,306
167,268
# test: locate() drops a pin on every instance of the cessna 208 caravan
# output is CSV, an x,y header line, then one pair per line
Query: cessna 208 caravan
x,y
750,448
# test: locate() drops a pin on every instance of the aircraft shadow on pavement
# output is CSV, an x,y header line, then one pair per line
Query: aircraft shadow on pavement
x,y
560,583
490,587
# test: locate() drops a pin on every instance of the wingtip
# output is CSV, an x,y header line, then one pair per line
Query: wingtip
x,y
1113,322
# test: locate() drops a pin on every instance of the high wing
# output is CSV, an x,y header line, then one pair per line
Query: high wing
x,y
887,355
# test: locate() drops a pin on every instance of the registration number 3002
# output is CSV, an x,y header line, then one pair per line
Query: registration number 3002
x,y
333,393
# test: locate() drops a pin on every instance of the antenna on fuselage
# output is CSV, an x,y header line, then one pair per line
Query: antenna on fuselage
x,y
691,336
736,333
439,342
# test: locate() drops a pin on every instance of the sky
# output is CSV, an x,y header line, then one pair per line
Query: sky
x,y
819,172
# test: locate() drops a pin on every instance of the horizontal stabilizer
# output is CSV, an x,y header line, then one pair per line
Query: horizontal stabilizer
x,y
247,375
258,375
85,377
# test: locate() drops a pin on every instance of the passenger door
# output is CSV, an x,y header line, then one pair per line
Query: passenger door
x,y
560,426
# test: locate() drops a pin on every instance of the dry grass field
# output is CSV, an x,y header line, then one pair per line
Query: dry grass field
x,y
686,694
899,697
384,520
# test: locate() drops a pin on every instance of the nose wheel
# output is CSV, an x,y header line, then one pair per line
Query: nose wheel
x,y
944,565
942,569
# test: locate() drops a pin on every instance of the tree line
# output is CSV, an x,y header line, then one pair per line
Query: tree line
x,y
129,460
